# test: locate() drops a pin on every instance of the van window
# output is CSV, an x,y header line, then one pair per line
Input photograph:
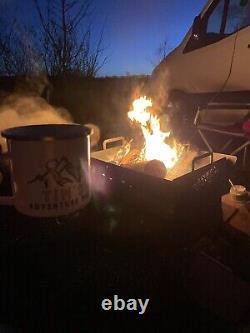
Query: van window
x,y
245,18
214,22
238,16
223,18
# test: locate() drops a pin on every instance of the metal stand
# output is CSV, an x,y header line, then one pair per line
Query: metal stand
x,y
209,128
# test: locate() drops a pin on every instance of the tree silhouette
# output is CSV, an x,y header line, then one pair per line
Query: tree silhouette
x,y
17,54
60,43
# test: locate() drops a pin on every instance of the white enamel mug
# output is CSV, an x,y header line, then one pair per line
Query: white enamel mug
x,y
49,169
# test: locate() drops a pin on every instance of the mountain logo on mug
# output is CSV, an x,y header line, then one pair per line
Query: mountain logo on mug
x,y
64,185
59,172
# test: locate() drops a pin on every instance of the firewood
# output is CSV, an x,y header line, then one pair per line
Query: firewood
x,y
154,168
131,158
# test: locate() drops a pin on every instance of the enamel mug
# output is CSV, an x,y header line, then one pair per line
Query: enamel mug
x,y
49,169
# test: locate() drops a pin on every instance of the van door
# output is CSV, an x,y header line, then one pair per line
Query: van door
x,y
207,56
239,19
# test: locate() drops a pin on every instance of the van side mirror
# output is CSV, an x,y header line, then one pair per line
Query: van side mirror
x,y
196,28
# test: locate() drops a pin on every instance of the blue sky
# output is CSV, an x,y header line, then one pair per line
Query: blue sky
x,y
133,29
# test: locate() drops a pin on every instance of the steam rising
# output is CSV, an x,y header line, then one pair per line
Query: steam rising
x,y
20,110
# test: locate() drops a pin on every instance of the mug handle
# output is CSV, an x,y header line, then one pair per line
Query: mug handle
x,y
5,200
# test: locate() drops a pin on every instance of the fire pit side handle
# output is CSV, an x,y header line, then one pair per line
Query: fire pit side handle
x,y
198,158
113,140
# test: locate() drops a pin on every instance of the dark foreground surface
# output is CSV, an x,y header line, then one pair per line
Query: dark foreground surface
x,y
55,274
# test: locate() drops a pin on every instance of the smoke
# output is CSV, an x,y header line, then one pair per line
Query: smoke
x,y
158,88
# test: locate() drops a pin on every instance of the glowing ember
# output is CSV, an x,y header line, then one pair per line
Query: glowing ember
x,y
155,147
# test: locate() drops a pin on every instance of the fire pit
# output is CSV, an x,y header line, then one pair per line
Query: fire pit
x,y
186,202
172,187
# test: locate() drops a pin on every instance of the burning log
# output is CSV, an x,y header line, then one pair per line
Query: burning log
x,y
154,168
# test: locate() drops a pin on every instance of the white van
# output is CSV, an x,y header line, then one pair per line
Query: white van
x,y
213,60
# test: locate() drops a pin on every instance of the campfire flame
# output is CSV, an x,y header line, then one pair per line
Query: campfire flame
x,y
155,147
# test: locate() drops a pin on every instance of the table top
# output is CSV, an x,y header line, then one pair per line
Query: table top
x,y
55,275
56,272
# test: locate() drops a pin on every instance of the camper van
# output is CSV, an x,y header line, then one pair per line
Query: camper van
x,y
213,60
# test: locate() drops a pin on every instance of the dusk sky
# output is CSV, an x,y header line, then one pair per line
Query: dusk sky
x,y
133,29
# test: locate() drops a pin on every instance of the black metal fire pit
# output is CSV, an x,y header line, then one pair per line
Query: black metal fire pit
x,y
181,208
